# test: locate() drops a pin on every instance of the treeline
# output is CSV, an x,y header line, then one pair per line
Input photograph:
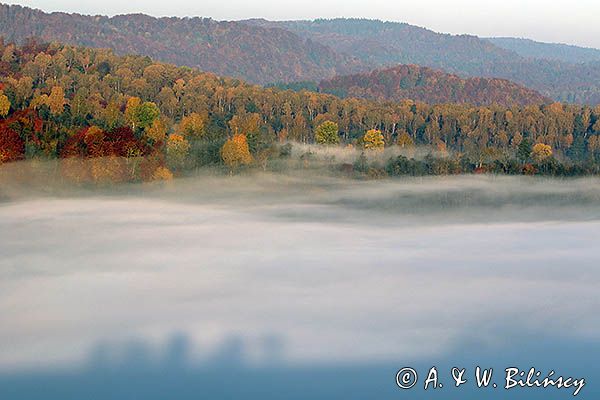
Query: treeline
x,y
138,119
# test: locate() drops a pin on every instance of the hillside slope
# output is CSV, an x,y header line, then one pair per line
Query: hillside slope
x,y
431,86
257,54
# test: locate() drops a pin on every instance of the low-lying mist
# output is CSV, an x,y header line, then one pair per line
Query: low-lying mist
x,y
331,269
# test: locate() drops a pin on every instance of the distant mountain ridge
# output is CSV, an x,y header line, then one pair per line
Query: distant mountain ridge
x,y
385,44
430,86
547,51
263,52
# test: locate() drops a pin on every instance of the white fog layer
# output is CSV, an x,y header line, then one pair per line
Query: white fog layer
x,y
333,269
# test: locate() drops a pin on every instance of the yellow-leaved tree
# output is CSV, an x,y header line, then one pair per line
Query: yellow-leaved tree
x,y
131,108
373,140
541,152
327,133
235,151
56,100
4,105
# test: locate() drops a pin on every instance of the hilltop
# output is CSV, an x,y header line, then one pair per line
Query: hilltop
x,y
432,86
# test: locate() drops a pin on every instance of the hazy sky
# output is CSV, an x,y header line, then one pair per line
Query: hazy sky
x,y
573,21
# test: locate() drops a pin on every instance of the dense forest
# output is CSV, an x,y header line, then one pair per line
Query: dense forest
x,y
380,43
130,118
430,86
263,52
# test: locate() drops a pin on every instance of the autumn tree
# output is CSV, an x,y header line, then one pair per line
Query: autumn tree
x,y
157,132
404,140
177,151
192,126
4,105
524,150
245,122
235,151
541,152
146,113
133,104
94,142
11,145
141,115
373,140
56,100
327,133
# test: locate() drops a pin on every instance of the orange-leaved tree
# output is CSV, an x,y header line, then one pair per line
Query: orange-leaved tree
x,y
192,126
235,151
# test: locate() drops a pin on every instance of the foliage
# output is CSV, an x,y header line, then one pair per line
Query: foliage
x,y
404,140
121,107
541,152
177,151
4,105
56,100
235,152
524,150
11,145
157,132
192,126
373,140
327,133
146,114
162,174
296,51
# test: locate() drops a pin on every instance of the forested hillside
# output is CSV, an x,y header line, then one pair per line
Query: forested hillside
x,y
256,54
547,51
139,119
431,86
390,43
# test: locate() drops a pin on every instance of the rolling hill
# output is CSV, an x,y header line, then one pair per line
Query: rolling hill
x,y
254,53
430,86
